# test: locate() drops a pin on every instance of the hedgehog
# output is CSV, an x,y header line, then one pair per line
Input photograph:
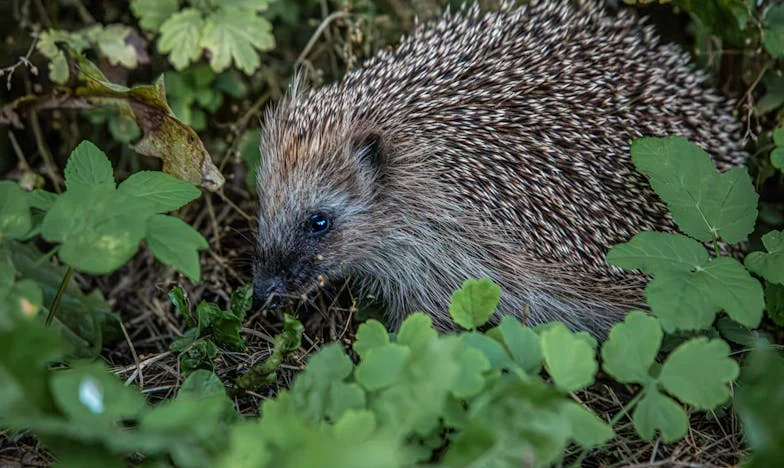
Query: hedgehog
x,y
487,144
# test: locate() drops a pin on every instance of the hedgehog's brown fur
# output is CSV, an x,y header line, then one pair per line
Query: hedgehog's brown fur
x,y
486,144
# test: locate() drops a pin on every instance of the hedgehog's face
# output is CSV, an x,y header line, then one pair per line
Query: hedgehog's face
x,y
315,220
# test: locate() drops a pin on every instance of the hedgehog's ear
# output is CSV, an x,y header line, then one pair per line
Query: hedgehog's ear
x,y
369,151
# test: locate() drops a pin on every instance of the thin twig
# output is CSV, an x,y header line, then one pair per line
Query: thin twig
x,y
24,60
59,296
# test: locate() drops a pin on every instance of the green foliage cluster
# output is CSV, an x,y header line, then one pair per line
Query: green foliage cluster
x,y
228,31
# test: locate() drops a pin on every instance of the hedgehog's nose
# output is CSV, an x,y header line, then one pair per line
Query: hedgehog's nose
x,y
267,293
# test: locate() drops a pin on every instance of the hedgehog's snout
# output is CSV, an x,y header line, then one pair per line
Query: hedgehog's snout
x,y
268,292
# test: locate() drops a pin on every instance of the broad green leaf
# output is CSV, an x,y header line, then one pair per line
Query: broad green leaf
x,y
701,200
474,303
180,37
657,411
24,297
355,425
760,403
522,343
698,372
175,243
164,192
688,288
370,335
770,264
41,199
153,13
416,331
236,34
383,366
91,395
773,32
570,359
87,165
495,353
774,302
777,158
587,429
200,384
470,380
655,253
631,348
15,219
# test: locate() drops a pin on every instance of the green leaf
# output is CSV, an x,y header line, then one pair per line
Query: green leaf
x,y
587,429
242,301
382,367
224,326
235,34
474,303
777,158
774,302
114,46
770,264
180,37
164,192
175,243
698,372
90,395
495,353
657,411
87,165
701,200
760,404
631,348
370,335
773,32
153,13
688,289
522,343
200,384
470,379
416,332
15,219
569,358
41,199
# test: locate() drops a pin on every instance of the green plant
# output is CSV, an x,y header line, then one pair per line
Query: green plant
x,y
227,30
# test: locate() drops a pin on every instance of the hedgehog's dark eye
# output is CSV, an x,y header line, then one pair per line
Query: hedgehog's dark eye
x,y
319,223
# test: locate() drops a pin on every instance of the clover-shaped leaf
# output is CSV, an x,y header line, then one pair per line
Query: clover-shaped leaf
x,y
587,429
370,334
632,347
382,366
474,303
702,201
769,265
416,331
698,372
688,288
570,358
521,342
153,13
469,380
658,411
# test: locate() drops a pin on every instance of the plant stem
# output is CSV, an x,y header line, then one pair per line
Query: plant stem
x,y
59,296
715,243
631,404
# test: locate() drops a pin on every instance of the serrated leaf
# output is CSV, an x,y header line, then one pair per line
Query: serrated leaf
x,y
96,236
176,244
698,372
15,219
382,367
242,301
770,264
688,288
701,200
153,13
773,32
114,46
632,347
370,335
474,303
570,359
164,192
180,36
87,165
416,331
236,34
657,411
41,199
587,429
522,343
